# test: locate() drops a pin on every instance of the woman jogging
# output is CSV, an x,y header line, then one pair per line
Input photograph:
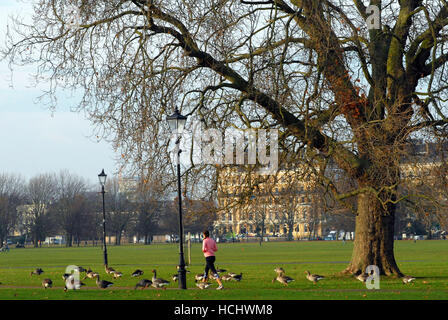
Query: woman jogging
x,y
209,248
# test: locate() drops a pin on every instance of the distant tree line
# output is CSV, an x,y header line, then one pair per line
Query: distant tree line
x,y
66,204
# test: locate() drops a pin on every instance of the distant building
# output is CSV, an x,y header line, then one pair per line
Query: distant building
x,y
281,204
25,213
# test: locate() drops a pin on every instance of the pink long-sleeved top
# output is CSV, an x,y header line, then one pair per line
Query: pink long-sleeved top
x,y
209,247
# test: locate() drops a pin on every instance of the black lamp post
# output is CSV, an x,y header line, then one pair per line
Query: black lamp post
x,y
177,123
102,177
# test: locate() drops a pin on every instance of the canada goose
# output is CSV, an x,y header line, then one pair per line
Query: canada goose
x,y
103,284
283,279
144,283
313,277
90,274
109,270
199,277
47,283
362,277
202,285
71,284
158,282
37,271
137,273
407,279
237,277
226,277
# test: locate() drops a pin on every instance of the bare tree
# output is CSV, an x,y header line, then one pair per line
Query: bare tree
x,y
334,83
38,220
260,213
70,205
149,209
119,210
12,194
92,229
199,215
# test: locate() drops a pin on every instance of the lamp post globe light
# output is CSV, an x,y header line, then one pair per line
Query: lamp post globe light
x,y
102,178
176,121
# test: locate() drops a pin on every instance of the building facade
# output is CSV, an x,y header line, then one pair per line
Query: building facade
x,y
285,204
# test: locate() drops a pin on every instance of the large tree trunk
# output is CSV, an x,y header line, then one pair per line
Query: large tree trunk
x,y
374,237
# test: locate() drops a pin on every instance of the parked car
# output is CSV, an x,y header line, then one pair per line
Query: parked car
x,y
331,236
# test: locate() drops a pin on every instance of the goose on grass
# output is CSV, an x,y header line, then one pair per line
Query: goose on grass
x,y
236,277
90,274
103,284
199,277
362,277
226,277
158,282
202,285
407,279
281,277
313,277
144,283
47,283
37,271
137,273
109,270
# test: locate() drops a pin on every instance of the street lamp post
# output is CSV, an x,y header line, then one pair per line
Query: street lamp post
x,y
177,123
102,177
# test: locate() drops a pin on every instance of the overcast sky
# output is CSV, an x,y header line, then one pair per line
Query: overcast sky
x,y
34,140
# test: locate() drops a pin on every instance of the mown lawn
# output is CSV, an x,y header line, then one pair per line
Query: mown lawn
x,y
426,260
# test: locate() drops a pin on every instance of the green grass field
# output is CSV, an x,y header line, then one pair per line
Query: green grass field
x,y
426,260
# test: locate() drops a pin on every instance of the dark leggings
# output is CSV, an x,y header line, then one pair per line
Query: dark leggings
x,y
210,265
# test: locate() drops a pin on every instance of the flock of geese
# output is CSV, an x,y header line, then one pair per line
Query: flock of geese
x,y
71,284
284,279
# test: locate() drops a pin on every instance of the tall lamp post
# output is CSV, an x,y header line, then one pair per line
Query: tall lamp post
x,y
102,177
177,122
